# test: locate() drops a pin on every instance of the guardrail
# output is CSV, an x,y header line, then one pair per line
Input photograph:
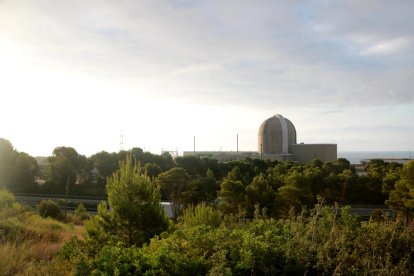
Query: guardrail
x,y
59,196
364,211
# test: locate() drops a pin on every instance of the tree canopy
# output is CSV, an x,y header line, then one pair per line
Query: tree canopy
x,y
402,196
17,169
175,186
135,213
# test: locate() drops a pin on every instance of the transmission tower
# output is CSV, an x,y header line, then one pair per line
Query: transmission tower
x,y
173,153
121,141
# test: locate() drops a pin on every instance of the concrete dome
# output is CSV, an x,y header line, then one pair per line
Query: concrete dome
x,y
276,134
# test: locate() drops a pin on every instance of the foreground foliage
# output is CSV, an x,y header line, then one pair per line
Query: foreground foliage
x,y
49,208
134,214
30,244
313,242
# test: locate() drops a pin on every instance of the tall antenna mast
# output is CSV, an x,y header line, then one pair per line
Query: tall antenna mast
x,y
121,141
194,146
237,146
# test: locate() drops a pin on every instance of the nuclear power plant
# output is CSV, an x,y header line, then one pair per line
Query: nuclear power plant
x,y
276,141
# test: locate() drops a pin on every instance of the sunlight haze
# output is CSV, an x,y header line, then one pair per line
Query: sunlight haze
x,y
77,73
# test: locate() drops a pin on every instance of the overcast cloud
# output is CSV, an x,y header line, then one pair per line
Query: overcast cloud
x,y
268,55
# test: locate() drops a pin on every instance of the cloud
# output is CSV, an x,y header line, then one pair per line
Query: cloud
x,y
386,47
262,54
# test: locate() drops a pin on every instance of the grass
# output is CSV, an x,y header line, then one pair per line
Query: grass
x,y
29,244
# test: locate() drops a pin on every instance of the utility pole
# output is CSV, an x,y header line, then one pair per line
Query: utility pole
x,y
67,195
121,141
237,147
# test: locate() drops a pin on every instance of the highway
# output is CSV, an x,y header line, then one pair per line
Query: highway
x,y
364,211
36,198
90,203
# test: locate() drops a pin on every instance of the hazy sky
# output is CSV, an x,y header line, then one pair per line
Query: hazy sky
x,y
74,73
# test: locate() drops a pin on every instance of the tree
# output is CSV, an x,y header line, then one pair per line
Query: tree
x,y
313,172
232,196
7,160
260,192
26,171
152,170
135,213
65,165
402,197
347,180
165,160
207,187
62,166
106,163
175,186
236,174
17,169
296,193
192,164
389,180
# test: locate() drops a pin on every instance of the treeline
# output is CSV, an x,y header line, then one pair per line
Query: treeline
x,y
269,223
20,172
233,186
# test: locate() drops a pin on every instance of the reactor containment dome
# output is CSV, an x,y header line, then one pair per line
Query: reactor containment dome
x,y
276,134
277,141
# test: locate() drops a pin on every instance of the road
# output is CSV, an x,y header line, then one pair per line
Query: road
x,y
36,198
89,202
363,211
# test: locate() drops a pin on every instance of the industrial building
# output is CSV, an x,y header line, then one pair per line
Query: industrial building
x,y
277,141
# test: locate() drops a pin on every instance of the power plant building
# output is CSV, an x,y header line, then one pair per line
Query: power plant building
x,y
277,141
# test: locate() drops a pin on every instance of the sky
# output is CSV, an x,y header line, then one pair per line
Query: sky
x,y
78,73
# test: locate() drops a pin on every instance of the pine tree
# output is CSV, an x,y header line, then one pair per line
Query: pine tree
x,y
135,213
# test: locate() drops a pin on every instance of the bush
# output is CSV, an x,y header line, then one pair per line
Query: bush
x,y
377,215
49,208
81,212
6,199
315,242
80,215
202,215
9,230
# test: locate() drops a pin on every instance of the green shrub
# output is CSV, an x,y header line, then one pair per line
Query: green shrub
x,y
314,242
9,230
202,215
6,199
377,215
118,260
49,208
81,212
80,215
111,259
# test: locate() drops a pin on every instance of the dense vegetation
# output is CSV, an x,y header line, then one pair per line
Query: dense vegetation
x,y
30,244
245,217
321,241
191,180
315,242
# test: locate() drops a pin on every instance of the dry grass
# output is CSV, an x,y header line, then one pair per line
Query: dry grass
x,y
14,257
34,250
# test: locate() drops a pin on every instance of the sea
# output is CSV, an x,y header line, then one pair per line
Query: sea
x,y
355,157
